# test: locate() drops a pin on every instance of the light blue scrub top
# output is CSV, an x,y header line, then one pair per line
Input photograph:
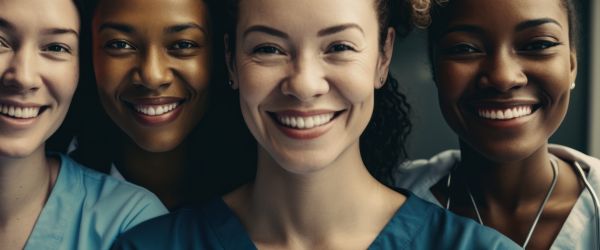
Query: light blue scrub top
x,y
88,210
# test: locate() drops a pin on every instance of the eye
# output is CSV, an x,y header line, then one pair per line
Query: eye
x,y
461,49
340,47
3,43
267,49
57,48
118,45
183,45
539,45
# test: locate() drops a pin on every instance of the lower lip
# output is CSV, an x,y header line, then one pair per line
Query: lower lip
x,y
19,123
305,134
157,120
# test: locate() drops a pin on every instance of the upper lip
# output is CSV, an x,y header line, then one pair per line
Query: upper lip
x,y
291,112
20,104
153,100
502,103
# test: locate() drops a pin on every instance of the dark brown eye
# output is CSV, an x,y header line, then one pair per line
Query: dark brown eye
x,y
540,45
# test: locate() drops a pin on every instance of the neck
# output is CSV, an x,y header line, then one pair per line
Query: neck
x,y
160,172
510,183
310,209
25,184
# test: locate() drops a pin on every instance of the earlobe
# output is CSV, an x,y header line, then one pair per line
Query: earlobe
x,y
232,82
385,58
573,66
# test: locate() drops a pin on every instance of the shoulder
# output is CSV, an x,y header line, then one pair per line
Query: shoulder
x,y
418,221
424,173
210,226
109,198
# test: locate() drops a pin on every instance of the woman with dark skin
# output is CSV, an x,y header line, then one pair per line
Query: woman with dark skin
x,y
155,72
310,92
47,201
504,72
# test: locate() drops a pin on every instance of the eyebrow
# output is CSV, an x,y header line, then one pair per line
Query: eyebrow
x,y
339,28
117,26
60,31
265,29
6,25
536,22
464,28
185,26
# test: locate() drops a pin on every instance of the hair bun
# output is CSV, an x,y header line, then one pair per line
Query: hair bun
x,y
421,11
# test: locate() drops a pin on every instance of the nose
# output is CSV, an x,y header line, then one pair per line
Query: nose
x,y
21,74
503,72
307,79
154,71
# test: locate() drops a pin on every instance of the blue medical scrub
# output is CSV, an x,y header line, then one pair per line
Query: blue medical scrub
x,y
416,225
88,210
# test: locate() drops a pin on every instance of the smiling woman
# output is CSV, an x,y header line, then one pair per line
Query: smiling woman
x,y
47,201
155,72
504,72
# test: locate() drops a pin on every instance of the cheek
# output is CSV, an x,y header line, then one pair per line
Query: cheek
x,y
452,80
63,82
256,83
196,72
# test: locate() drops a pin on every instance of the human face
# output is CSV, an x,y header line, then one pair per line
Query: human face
x,y
152,65
504,72
307,84
38,71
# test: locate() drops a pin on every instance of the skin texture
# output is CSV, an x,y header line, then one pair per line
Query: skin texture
x,y
153,52
289,65
38,67
497,56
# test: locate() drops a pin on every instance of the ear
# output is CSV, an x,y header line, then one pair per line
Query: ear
x,y
385,58
230,61
573,65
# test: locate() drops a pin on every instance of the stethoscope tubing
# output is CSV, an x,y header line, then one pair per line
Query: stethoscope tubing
x,y
596,205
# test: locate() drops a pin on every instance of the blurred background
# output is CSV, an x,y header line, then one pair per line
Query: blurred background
x,y
580,129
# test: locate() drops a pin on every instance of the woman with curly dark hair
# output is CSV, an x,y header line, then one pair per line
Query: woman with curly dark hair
x,y
310,83
504,72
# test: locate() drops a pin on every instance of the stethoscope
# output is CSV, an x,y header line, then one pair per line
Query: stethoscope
x,y
588,186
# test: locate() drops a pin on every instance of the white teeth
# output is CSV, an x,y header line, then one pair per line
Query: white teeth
x,y
154,110
505,114
307,122
19,112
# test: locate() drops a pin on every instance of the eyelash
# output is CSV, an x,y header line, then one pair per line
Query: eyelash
x,y
188,45
267,50
118,45
57,48
340,47
461,49
540,45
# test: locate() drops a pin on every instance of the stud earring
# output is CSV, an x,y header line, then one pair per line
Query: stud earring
x,y
230,83
381,81
572,85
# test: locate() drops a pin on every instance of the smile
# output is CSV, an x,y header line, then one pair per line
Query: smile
x,y
155,110
505,114
19,112
305,122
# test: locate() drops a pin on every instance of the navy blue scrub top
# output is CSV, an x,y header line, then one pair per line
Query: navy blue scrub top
x,y
417,224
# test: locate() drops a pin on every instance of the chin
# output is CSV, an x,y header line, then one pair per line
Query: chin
x,y
508,151
157,144
304,163
19,149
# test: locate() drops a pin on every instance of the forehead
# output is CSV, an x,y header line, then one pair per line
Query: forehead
x,y
506,13
306,15
150,13
40,14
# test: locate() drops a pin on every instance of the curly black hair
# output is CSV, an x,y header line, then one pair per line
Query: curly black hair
x,y
382,143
